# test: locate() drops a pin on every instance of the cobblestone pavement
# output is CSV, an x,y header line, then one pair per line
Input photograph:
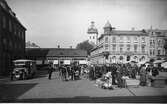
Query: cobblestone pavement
x,y
42,88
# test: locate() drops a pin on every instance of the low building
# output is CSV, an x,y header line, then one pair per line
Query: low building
x,y
56,55
12,38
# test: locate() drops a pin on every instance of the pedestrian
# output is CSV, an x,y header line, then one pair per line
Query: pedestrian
x,y
114,72
50,71
155,71
64,72
119,77
143,76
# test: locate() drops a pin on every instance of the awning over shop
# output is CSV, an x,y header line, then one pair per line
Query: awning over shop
x,y
158,61
164,64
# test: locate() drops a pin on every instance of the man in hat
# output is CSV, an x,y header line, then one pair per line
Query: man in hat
x,y
50,71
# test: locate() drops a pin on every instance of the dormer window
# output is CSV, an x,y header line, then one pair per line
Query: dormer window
x,y
143,39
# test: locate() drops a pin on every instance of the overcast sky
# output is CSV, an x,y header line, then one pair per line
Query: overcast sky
x,y
64,22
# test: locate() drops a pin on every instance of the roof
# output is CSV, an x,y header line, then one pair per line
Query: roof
x,y
56,52
92,28
124,32
107,24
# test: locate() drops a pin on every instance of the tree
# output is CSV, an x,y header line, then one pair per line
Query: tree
x,y
85,45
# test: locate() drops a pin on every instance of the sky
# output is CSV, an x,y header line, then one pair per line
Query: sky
x,y
51,23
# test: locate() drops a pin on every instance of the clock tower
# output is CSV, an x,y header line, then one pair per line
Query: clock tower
x,y
92,34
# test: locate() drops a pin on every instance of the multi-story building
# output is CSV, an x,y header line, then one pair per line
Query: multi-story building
x,y
156,43
12,38
116,46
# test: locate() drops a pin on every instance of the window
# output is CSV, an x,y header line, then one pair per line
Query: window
x,y
143,48
159,52
4,42
128,58
114,39
135,47
121,48
128,47
159,43
90,37
23,35
14,28
143,39
10,26
151,43
121,58
93,37
142,58
135,39
106,47
121,39
4,22
151,53
128,39
106,39
114,47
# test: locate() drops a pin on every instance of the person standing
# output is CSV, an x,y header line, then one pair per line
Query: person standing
x,y
143,73
50,71
114,73
155,71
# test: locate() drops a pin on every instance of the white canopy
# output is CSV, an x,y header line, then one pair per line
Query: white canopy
x,y
164,64
158,61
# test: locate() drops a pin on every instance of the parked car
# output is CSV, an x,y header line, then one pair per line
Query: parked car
x,y
23,69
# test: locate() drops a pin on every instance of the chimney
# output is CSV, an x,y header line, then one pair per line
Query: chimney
x,y
58,46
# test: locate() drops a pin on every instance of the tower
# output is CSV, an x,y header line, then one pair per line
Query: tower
x,y
92,34
108,28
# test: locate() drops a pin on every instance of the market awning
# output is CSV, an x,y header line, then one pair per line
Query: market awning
x,y
158,61
164,64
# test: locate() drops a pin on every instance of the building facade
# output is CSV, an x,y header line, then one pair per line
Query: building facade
x,y
116,46
156,43
12,38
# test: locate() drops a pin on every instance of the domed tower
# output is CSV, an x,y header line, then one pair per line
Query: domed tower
x,y
108,28
92,33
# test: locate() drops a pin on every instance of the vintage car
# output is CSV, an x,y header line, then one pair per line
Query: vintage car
x,y
23,69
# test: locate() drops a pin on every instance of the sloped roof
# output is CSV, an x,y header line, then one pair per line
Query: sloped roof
x,y
107,24
56,52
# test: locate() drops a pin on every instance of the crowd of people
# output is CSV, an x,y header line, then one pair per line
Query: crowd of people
x,y
117,71
66,72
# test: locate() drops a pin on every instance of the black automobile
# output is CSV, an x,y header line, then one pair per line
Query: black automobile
x,y
23,69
